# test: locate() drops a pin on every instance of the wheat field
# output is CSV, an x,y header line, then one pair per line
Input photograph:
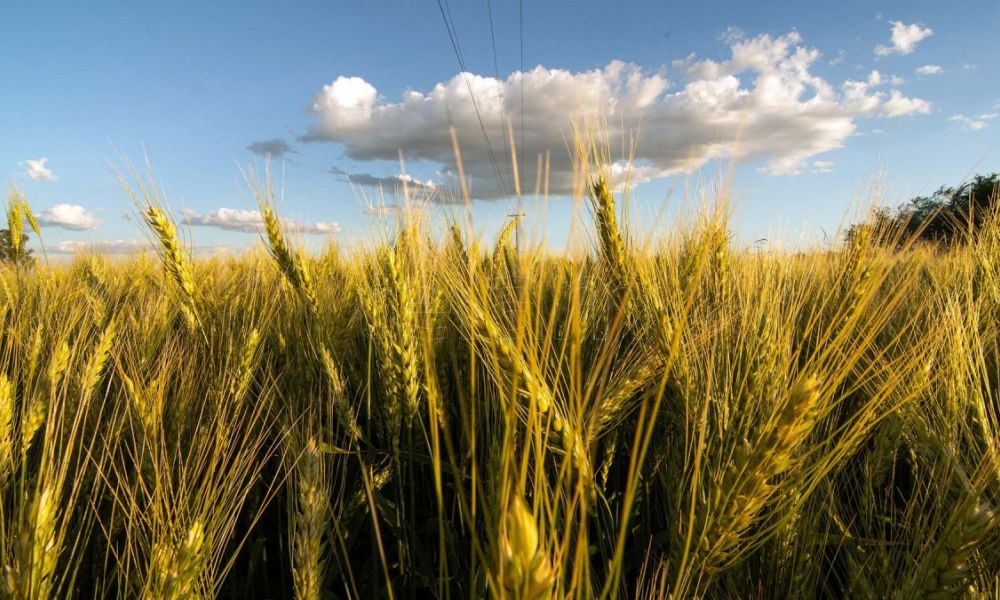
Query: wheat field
x,y
445,414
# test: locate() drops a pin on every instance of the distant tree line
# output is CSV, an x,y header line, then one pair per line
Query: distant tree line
x,y
949,216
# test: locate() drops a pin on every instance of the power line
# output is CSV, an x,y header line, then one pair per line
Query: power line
x,y
453,34
496,71
520,14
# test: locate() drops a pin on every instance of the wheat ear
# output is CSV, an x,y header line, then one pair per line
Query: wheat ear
x,y
311,519
176,567
746,486
527,569
512,361
292,265
175,259
948,574
6,428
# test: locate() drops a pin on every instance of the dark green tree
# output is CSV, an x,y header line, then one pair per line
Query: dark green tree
x,y
949,216
9,254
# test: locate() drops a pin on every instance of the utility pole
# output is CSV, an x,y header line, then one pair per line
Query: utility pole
x,y
517,227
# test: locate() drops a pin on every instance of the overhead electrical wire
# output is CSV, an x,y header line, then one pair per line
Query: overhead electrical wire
x,y
456,46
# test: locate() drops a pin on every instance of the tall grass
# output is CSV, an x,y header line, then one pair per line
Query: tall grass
x,y
436,416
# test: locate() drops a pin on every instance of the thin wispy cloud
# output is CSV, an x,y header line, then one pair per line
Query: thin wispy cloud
x,y
764,102
822,166
274,148
382,210
102,246
68,216
389,183
930,70
36,170
973,123
123,247
904,38
250,221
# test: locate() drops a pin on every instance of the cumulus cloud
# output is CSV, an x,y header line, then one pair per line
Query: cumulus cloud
x,y
68,216
974,123
763,102
904,38
102,246
249,221
274,148
929,70
37,171
899,105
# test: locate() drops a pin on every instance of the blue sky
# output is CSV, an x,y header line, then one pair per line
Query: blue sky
x,y
789,86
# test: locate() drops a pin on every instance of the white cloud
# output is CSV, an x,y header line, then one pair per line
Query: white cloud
x,y
762,103
929,70
37,171
896,80
899,105
904,38
234,219
102,247
974,123
68,216
839,58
